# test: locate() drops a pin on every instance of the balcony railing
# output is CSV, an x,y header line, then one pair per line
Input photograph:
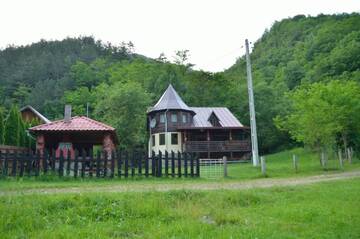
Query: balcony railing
x,y
217,146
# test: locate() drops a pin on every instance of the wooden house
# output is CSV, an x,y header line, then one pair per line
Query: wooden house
x,y
28,114
212,132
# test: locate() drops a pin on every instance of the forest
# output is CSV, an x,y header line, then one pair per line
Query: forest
x,y
306,73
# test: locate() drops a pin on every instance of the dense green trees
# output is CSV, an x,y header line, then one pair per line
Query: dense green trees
x,y
323,115
12,127
294,53
13,130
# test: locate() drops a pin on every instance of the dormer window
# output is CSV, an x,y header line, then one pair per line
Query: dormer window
x,y
214,120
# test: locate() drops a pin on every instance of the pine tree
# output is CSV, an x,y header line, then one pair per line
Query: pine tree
x,y
22,133
2,128
12,133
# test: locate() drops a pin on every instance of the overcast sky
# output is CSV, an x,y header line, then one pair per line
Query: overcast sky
x,y
213,31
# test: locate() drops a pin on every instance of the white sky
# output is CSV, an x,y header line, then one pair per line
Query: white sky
x,y
213,31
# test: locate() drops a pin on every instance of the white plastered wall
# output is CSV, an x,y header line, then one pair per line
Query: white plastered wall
x,y
168,146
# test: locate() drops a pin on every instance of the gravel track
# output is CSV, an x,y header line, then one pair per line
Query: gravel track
x,y
197,186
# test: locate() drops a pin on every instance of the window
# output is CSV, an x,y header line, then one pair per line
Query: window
x,y
174,139
153,142
173,117
184,118
162,139
162,118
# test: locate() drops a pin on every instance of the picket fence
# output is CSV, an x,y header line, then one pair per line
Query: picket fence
x,y
121,164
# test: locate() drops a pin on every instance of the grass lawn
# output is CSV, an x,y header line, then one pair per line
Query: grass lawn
x,y
278,165
323,210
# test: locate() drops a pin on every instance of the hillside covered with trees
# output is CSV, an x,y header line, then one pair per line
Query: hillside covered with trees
x,y
119,85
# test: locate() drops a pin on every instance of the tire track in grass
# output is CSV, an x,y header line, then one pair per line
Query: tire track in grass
x,y
257,183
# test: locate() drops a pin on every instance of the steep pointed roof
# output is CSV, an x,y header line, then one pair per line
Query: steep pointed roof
x,y
170,100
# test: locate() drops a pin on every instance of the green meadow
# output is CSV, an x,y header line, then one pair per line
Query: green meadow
x,y
323,210
319,210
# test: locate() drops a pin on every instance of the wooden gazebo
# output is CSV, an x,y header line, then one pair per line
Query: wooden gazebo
x,y
77,133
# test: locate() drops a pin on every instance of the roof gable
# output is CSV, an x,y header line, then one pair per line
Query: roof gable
x,y
214,120
77,123
41,117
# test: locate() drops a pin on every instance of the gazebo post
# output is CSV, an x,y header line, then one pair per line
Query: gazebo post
x,y
40,147
40,144
108,145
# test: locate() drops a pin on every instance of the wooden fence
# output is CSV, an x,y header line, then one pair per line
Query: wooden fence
x,y
118,164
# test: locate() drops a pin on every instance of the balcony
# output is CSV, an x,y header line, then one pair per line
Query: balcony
x,y
217,146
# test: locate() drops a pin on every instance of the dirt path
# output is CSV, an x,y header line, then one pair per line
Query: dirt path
x,y
258,183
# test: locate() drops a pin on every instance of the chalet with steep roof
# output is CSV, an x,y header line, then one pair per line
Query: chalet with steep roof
x,y
212,132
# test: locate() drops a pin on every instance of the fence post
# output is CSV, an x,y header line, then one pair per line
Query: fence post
x,y
197,165
14,163
263,165
132,163
192,165
98,162
340,159
21,158
6,162
295,162
68,162
166,164
141,156
91,163
29,163
323,159
153,164
53,161
83,158
105,163
126,164
225,166
349,155
185,165
61,164
172,164
37,164
159,169
112,163
76,164
179,164
119,162
46,163
146,157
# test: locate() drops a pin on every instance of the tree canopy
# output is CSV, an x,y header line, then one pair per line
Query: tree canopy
x,y
294,54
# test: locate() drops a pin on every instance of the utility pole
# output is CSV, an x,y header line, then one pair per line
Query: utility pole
x,y
254,143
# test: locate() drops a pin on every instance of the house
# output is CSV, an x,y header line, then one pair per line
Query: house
x,y
74,133
212,132
28,114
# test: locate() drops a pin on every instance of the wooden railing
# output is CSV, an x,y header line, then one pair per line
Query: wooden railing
x,y
217,146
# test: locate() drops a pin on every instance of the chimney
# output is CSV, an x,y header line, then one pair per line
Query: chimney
x,y
67,114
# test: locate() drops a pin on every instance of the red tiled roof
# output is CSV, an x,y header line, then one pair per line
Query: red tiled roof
x,y
77,123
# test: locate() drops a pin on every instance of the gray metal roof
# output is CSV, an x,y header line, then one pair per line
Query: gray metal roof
x,y
43,118
202,114
170,100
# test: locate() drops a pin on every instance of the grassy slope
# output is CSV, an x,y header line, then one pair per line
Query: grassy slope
x,y
326,210
278,166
